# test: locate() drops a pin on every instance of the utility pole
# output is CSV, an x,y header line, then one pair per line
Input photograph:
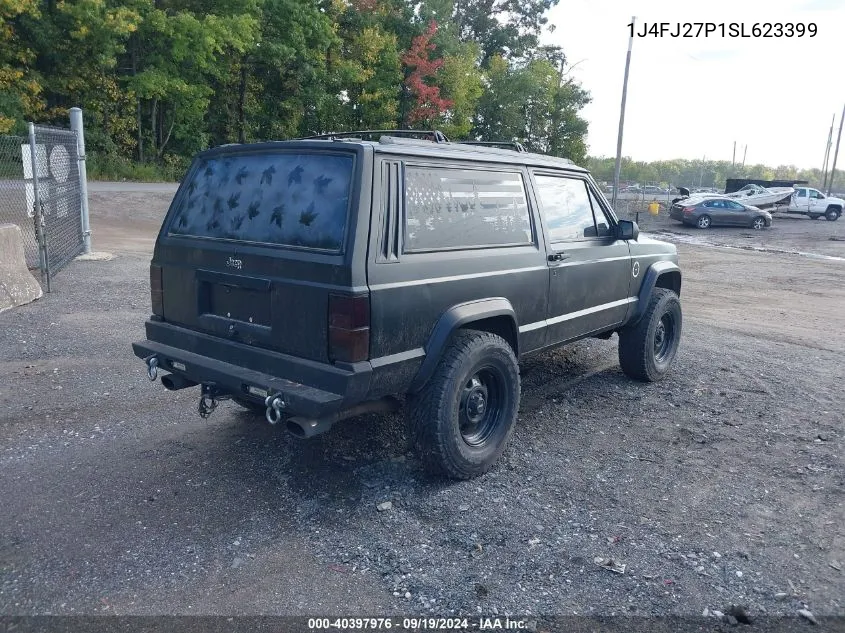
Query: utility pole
x,y
836,153
618,166
733,158
701,173
744,154
827,151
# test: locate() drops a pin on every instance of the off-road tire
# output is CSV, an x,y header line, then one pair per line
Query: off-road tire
x,y
434,414
637,354
832,214
704,222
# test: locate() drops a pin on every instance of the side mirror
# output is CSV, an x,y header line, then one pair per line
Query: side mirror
x,y
627,230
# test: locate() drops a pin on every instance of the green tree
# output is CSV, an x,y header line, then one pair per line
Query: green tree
x,y
174,59
460,81
534,104
20,88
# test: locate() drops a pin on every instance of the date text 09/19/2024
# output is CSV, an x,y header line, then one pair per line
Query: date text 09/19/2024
x,y
420,623
724,29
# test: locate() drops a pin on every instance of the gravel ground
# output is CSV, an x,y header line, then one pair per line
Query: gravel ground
x,y
721,485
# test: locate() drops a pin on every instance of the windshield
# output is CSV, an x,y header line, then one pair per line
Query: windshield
x,y
284,198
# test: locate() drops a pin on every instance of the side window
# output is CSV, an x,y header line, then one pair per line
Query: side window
x,y
801,193
714,204
566,207
736,206
463,208
602,223
818,195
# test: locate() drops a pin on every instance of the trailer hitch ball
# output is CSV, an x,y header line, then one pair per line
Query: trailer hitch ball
x,y
152,368
275,404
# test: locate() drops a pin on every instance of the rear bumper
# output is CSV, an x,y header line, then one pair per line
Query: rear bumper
x,y
308,388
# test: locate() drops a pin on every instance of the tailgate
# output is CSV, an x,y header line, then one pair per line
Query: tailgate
x,y
254,244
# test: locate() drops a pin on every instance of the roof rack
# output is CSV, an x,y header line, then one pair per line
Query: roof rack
x,y
519,147
430,135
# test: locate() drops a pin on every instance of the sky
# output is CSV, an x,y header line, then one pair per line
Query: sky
x,y
690,98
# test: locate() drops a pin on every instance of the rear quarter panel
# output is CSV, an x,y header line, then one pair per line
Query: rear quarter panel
x,y
410,291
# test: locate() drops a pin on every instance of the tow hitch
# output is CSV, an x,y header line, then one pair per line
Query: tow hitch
x,y
210,397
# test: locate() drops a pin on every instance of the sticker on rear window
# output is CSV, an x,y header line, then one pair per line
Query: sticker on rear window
x,y
290,199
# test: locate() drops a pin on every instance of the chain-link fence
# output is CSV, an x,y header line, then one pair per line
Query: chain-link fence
x,y
42,191
16,205
59,193
633,203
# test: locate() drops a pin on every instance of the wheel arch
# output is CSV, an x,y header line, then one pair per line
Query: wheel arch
x,y
659,275
495,315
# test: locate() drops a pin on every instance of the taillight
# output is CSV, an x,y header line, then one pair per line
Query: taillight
x,y
156,290
688,210
349,328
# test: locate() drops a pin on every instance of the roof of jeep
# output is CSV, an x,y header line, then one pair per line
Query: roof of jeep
x,y
414,147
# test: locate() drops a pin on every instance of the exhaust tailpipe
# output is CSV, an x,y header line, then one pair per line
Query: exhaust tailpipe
x,y
174,382
305,428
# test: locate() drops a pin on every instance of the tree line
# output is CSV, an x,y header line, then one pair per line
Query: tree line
x,y
702,173
161,79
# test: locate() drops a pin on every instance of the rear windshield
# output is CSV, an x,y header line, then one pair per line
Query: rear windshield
x,y
284,198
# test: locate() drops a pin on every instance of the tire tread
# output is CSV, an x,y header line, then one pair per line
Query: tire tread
x,y
634,354
424,408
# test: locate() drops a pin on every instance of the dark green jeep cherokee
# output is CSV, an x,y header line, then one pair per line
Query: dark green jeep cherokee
x,y
317,279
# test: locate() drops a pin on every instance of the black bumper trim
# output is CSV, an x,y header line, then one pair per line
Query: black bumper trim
x,y
300,399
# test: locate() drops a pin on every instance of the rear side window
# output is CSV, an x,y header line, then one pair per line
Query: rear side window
x,y
461,208
283,198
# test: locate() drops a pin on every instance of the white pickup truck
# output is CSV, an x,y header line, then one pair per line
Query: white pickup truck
x,y
814,203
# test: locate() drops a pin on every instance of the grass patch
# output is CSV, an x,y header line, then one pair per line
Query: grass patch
x,y
118,168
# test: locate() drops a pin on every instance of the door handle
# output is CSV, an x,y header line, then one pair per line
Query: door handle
x,y
557,257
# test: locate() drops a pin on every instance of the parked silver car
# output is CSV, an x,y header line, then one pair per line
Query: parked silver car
x,y
707,212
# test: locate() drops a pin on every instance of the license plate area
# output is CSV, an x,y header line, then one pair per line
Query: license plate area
x,y
243,299
235,303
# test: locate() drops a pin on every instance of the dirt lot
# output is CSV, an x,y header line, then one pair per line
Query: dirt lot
x,y
722,485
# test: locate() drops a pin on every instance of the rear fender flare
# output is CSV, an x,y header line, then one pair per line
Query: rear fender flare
x,y
652,275
454,318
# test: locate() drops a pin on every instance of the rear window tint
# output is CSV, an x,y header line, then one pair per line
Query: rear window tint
x,y
289,199
462,208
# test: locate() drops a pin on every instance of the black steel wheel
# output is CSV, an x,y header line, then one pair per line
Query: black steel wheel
x,y
462,419
481,405
648,347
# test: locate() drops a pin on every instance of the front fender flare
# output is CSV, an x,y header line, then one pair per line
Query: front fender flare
x,y
654,272
453,319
